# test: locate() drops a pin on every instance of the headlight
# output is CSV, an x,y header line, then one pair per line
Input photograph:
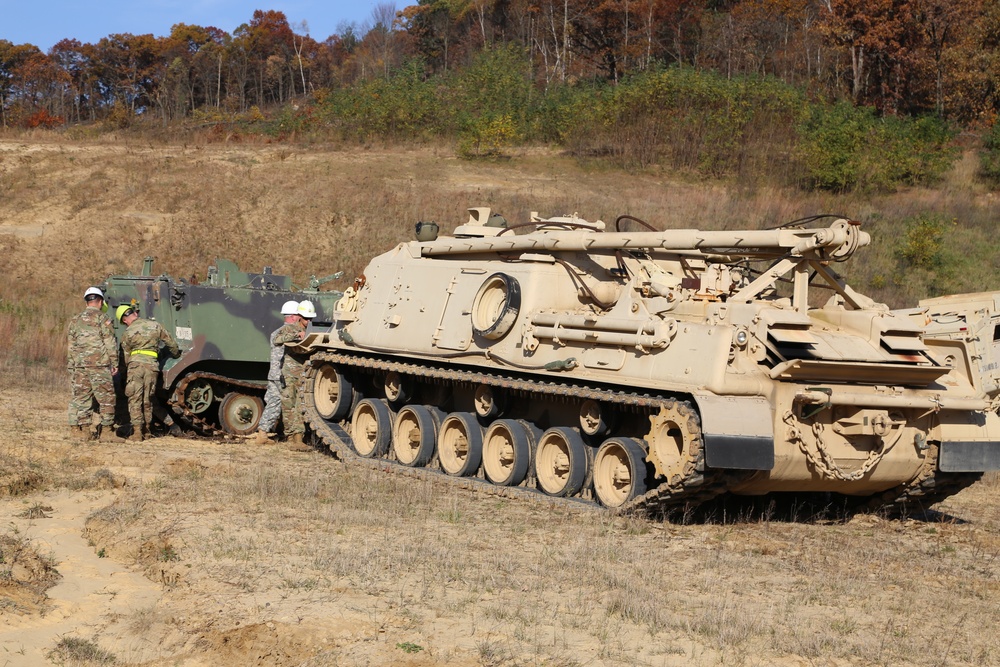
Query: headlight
x,y
741,338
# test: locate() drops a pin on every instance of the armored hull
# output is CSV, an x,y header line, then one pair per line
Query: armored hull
x,y
642,369
223,328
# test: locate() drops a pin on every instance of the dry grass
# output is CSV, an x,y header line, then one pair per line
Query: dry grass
x,y
533,583
25,573
277,535
78,652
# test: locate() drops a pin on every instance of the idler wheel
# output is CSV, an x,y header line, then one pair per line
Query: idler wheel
x,y
489,401
619,471
595,418
371,428
561,462
460,444
199,395
398,388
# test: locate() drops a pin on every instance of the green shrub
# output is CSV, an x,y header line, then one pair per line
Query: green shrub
x,y
487,137
690,120
404,105
845,148
492,101
922,245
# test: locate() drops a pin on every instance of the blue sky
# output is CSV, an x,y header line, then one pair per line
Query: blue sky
x,y
45,23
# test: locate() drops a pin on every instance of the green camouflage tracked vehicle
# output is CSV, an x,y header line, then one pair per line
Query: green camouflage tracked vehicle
x,y
643,369
222,326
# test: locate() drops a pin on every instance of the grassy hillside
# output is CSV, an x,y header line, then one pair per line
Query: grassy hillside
x,y
72,213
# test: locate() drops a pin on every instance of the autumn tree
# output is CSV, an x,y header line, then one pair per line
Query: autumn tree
x,y
944,24
79,99
883,39
262,52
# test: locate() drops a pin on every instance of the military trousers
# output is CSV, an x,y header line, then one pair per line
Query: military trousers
x,y
291,409
90,384
272,407
139,388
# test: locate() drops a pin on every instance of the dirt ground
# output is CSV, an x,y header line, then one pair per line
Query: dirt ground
x,y
198,552
148,602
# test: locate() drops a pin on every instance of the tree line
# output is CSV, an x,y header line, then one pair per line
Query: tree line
x,y
895,56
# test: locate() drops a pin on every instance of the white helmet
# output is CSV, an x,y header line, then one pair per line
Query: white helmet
x,y
91,292
307,310
290,308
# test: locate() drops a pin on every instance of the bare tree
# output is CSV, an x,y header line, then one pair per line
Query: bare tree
x,y
297,44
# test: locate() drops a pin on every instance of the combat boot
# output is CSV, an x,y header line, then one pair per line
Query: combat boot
x,y
107,435
135,436
175,431
260,438
296,444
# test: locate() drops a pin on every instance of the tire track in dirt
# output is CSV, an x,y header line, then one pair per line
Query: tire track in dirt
x,y
92,593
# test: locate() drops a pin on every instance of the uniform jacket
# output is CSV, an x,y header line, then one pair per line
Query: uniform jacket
x,y
145,334
288,335
92,341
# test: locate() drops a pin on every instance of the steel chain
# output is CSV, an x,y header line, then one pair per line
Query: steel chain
x,y
825,464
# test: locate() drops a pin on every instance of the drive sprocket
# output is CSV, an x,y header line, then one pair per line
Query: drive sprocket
x,y
675,442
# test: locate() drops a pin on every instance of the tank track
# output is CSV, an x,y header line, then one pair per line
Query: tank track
x,y
182,410
693,490
927,488
930,486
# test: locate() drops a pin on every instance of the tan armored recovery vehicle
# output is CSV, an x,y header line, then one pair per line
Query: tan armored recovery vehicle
x,y
962,332
641,369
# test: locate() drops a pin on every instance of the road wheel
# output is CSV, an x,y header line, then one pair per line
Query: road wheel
x,y
239,413
561,462
371,428
333,395
619,471
460,444
414,433
507,452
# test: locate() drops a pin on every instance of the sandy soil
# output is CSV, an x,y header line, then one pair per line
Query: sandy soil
x,y
155,566
115,587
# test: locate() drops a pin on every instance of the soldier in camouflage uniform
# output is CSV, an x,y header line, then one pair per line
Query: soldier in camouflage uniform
x,y
141,346
272,398
92,360
290,335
